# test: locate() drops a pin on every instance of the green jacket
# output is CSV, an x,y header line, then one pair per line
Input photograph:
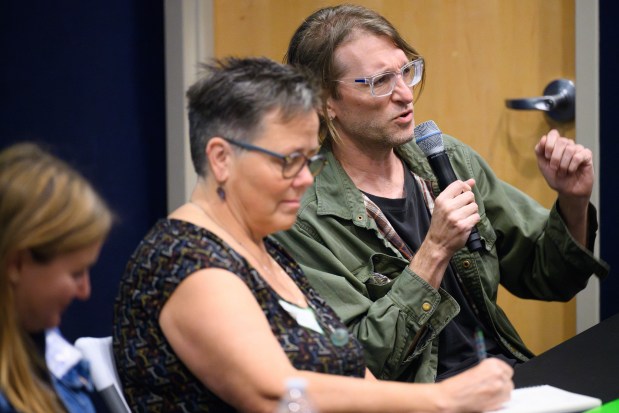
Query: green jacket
x,y
528,250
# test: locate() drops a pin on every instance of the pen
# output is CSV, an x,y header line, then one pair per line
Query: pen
x,y
480,344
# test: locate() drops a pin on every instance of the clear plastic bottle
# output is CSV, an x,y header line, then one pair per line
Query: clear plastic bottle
x,y
295,399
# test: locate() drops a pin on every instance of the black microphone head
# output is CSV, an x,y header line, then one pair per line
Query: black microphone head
x,y
429,138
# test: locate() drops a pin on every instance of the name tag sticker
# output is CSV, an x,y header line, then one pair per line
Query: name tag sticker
x,y
305,317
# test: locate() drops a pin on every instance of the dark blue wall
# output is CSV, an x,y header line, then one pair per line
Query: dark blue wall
x,y
86,78
609,153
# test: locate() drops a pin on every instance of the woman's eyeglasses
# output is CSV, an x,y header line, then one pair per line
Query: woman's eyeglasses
x,y
291,164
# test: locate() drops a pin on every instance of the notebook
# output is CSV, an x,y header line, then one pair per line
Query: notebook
x,y
547,399
610,407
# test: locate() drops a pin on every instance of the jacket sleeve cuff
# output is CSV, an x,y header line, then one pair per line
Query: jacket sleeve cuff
x,y
421,302
578,256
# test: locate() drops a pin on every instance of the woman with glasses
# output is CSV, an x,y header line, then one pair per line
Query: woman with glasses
x,y
212,313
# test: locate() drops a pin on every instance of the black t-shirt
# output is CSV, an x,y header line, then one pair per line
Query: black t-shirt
x,y
410,218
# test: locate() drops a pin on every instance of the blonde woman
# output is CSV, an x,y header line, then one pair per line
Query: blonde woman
x,y
52,227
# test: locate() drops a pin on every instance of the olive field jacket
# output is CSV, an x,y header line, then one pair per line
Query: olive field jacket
x,y
394,313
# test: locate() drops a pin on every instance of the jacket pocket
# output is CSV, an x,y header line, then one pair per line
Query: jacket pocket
x,y
379,272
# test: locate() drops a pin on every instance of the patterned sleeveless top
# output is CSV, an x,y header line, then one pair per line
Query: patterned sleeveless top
x,y
153,377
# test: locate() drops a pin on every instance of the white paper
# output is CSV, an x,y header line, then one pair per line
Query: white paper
x,y
547,399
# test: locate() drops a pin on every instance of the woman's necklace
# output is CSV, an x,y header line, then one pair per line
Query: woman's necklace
x,y
274,272
339,336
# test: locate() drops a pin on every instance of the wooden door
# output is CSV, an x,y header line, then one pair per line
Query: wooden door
x,y
478,53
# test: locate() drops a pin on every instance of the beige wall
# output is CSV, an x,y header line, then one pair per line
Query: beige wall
x,y
466,58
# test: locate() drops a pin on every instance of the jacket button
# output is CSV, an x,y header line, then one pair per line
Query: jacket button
x,y
466,264
426,306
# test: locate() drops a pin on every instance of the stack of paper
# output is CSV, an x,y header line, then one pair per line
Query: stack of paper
x,y
547,399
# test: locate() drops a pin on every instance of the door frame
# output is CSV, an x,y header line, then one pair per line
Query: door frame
x,y
189,39
588,133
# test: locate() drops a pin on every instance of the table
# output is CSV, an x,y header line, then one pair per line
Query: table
x,y
588,363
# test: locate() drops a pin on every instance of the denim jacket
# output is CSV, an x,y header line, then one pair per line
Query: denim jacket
x,y
70,375
397,315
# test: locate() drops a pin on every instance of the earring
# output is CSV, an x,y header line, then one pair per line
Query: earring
x,y
221,193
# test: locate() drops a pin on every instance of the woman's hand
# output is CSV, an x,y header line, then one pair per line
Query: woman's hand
x,y
484,387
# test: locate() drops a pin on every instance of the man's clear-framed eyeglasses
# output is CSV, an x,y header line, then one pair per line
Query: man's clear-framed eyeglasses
x,y
383,84
291,164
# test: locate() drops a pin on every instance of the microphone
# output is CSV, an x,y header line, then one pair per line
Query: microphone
x,y
430,139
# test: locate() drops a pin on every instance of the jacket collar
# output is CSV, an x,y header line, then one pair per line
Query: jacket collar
x,y
336,194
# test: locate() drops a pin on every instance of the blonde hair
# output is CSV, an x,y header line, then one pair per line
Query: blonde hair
x,y
49,209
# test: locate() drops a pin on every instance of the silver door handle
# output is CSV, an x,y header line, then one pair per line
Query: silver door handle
x,y
559,101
